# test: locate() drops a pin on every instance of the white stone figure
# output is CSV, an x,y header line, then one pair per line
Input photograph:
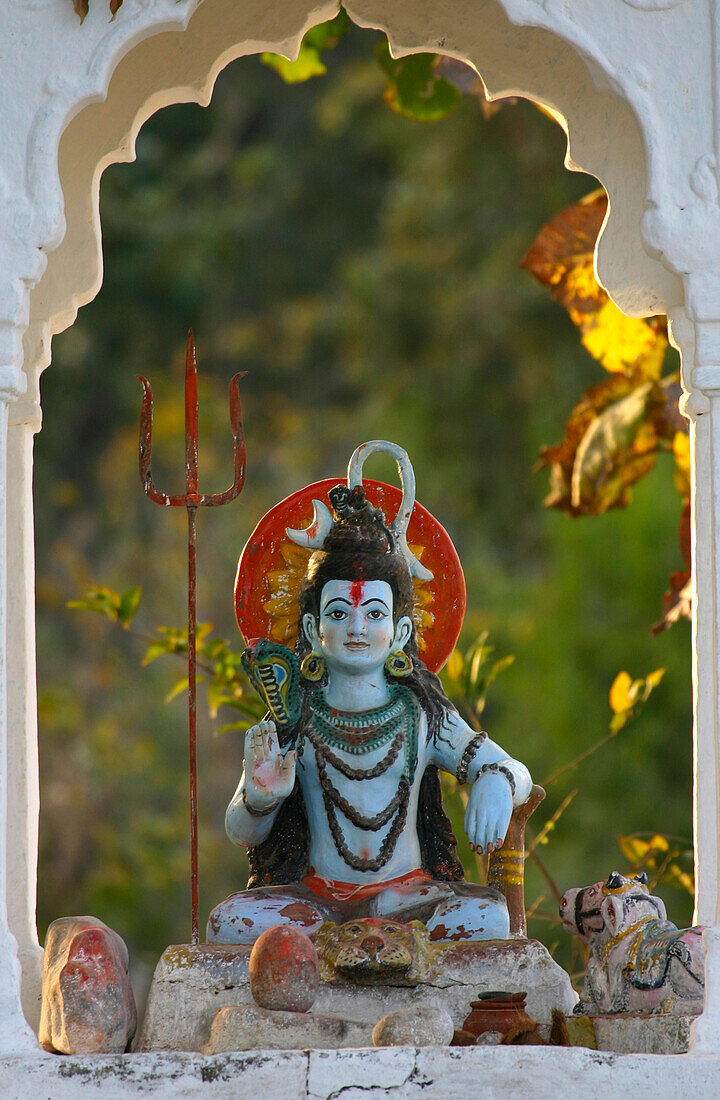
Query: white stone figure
x,y
639,960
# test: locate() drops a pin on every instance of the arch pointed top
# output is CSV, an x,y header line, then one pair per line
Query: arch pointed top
x,y
164,52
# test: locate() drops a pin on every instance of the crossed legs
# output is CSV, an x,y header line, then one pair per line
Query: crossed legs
x,y
452,911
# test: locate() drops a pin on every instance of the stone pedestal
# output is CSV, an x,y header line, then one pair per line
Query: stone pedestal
x,y
191,983
632,1033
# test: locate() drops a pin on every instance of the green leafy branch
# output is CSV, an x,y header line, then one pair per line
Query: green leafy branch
x,y
660,857
415,88
627,699
467,677
628,696
309,63
218,663
111,605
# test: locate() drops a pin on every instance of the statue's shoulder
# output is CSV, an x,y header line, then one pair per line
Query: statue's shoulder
x,y
454,728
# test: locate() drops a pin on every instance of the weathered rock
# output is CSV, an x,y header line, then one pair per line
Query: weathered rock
x,y
191,983
284,970
462,1038
418,1026
489,1039
252,1028
87,1001
629,1033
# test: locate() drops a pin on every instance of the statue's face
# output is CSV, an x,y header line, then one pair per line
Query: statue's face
x,y
355,631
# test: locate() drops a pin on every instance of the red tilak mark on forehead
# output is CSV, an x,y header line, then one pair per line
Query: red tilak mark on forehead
x,y
356,592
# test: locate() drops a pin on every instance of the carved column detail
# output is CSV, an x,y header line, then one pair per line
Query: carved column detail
x,y
699,343
14,1032
23,804
702,407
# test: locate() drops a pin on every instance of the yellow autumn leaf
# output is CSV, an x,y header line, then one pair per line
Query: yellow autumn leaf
x,y
620,697
623,343
681,454
659,843
646,439
678,877
650,365
633,848
653,679
681,451
580,281
455,665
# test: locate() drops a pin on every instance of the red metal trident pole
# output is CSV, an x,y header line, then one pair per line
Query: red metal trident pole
x,y
192,500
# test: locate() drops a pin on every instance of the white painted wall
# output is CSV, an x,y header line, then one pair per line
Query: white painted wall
x,y
635,84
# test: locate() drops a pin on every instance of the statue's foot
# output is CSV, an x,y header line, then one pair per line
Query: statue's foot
x,y
244,916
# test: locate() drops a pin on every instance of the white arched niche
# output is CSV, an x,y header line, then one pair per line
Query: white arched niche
x,y
602,69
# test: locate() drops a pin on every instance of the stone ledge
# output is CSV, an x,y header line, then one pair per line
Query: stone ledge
x,y
402,1073
191,983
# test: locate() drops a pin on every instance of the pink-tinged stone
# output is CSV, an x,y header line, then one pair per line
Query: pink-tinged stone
x,y
87,1002
284,970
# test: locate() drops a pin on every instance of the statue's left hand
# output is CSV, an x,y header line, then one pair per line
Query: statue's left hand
x,y
488,812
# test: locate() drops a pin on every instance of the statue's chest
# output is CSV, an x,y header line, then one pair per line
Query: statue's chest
x,y
358,774
366,779
365,761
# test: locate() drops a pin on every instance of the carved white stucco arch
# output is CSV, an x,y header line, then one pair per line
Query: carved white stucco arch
x,y
531,61
632,81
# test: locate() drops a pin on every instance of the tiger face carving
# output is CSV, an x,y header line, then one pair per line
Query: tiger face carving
x,y
371,951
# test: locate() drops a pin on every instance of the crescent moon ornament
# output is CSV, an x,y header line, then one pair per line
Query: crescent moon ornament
x,y
313,536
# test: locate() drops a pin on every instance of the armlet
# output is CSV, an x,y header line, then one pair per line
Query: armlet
x,y
466,758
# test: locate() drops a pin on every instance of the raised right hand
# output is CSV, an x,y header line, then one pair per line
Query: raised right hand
x,y
269,777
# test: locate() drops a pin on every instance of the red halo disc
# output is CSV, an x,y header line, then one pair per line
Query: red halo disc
x,y
271,567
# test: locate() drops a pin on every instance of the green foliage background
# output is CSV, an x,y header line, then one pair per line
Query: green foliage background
x,y
364,269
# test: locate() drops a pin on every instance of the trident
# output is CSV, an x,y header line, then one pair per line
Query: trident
x,y
192,500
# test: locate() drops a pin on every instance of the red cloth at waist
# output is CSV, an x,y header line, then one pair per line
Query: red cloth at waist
x,y
357,891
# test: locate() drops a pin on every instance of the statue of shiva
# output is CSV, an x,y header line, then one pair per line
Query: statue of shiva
x,y
339,802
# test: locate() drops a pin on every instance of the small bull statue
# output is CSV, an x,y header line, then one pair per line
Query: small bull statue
x,y
639,960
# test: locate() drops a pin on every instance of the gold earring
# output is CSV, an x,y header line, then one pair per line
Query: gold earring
x,y
398,664
312,667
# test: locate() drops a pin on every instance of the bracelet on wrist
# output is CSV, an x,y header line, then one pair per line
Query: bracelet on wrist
x,y
466,758
499,769
255,812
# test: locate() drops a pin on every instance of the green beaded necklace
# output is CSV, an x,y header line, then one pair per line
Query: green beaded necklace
x,y
361,733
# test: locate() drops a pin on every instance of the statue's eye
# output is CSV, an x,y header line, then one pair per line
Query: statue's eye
x,y
337,614
355,930
390,929
376,613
